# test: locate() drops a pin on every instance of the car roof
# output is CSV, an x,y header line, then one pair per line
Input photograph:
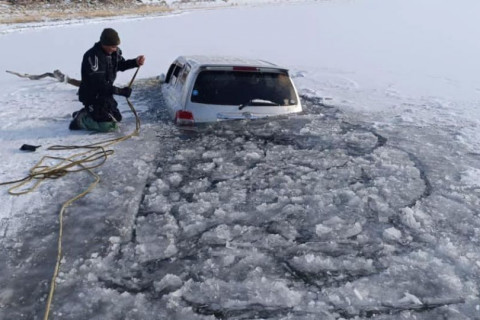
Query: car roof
x,y
197,61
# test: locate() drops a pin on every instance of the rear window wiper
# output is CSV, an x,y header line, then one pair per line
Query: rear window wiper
x,y
257,102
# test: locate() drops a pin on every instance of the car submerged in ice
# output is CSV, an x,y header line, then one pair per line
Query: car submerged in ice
x,y
202,89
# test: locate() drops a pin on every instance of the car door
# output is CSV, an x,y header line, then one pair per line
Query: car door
x,y
174,87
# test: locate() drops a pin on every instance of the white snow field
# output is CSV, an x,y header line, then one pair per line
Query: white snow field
x,y
365,205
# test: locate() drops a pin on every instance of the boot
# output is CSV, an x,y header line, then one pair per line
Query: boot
x,y
76,123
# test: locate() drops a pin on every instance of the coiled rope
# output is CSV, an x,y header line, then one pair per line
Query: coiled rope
x,y
94,157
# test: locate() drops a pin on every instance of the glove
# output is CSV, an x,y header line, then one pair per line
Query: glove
x,y
126,91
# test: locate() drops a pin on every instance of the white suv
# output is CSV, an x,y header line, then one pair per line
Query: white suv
x,y
201,89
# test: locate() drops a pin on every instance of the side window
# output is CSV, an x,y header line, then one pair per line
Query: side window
x,y
172,73
184,74
169,73
176,71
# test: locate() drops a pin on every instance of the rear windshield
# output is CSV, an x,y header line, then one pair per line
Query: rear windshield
x,y
240,88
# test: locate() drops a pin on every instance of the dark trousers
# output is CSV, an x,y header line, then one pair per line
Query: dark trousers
x,y
104,110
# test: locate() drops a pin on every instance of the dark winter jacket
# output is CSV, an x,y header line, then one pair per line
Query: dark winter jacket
x,y
99,71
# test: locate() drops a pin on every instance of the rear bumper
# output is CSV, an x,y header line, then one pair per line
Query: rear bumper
x,y
239,116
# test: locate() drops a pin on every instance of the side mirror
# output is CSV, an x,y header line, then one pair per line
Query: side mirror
x,y
161,78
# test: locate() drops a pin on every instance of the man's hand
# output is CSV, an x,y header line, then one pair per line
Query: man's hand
x,y
140,60
126,91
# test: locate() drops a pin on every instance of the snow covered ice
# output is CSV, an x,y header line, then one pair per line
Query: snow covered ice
x,y
365,205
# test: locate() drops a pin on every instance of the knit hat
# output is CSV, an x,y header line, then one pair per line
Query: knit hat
x,y
109,37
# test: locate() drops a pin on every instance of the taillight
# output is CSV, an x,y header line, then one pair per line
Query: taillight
x,y
184,118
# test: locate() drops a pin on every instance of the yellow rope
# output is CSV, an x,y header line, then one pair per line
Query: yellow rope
x,y
59,243
94,157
